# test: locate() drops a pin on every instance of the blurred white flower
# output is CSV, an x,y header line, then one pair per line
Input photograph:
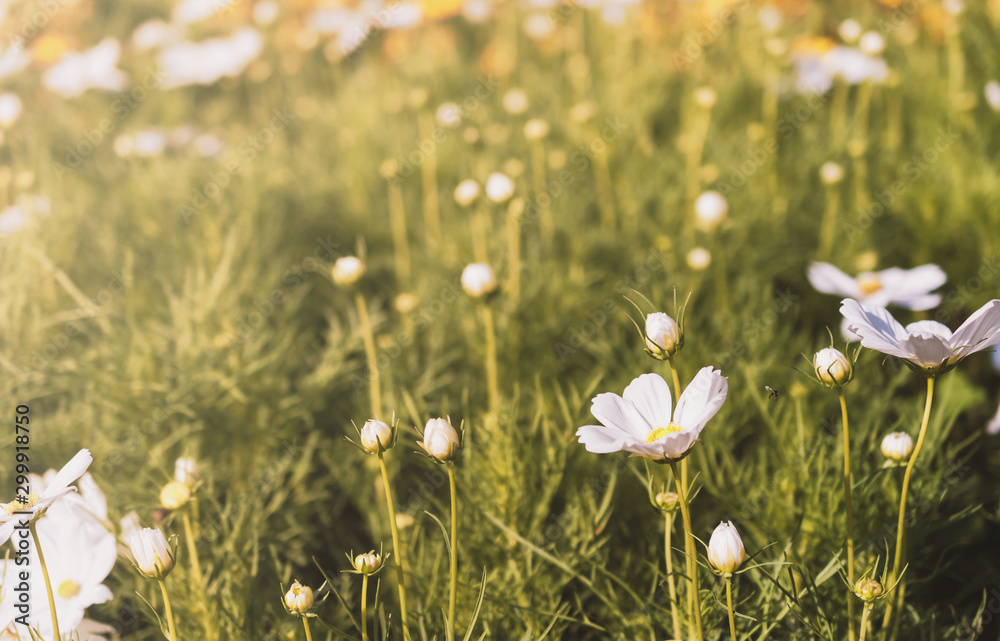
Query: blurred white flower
x,y
449,115
190,11
927,346
499,187
909,288
897,446
725,549
831,173
13,59
993,427
10,109
705,97
698,258
539,26
515,101
205,63
124,145
642,421
770,17
954,7
871,43
466,192
75,72
478,280
149,143
266,12
154,34
711,209
849,31
536,129
815,71
347,271
477,11
34,505
992,93
175,495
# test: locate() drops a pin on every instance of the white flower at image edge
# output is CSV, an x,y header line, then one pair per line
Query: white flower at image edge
x,y
642,422
35,504
927,345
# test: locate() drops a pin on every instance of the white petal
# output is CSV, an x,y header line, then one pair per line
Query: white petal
x,y
845,331
905,283
603,440
92,594
701,399
929,327
828,279
614,411
979,331
876,326
6,529
918,303
677,444
69,473
993,427
927,349
651,396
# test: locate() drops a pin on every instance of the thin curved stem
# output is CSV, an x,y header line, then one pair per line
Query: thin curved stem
x,y
453,587
901,523
48,583
305,624
397,547
850,516
491,359
671,584
169,611
192,550
689,546
729,604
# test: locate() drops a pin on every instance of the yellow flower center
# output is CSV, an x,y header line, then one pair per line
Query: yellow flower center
x,y
660,432
21,504
68,589
869,284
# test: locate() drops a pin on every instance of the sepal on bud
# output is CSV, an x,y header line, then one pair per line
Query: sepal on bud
x,y
370,563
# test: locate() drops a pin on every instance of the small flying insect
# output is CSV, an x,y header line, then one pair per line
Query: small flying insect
x,y
773,392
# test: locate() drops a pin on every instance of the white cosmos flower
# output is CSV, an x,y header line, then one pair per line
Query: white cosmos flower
x,y
205,63
927,346
37,504
77,72
641,421
499,187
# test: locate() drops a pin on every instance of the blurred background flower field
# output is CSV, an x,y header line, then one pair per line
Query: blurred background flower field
x,y
177,182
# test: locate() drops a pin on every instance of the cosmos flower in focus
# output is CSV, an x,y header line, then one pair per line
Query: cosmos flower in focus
x,y
642,421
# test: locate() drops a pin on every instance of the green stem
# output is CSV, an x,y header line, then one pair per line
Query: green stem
x,y
48,583
453,587
397,548
170,613
864,621
192,550
671,585
729,604
901,523
368,336
850,516
364,606
689,547
305,624
491,360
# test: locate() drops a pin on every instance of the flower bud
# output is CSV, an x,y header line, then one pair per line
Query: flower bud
x,y
467,192
666,501
499,187
376,436
698,258
406,302
478,280
151,554
833,368
831,173
347,271
725,549
515,102
871,43
299,598
710,208
868,589
449,115
849,30
175,495
368,563
441,441
705,97
186,471
663,335
897,446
